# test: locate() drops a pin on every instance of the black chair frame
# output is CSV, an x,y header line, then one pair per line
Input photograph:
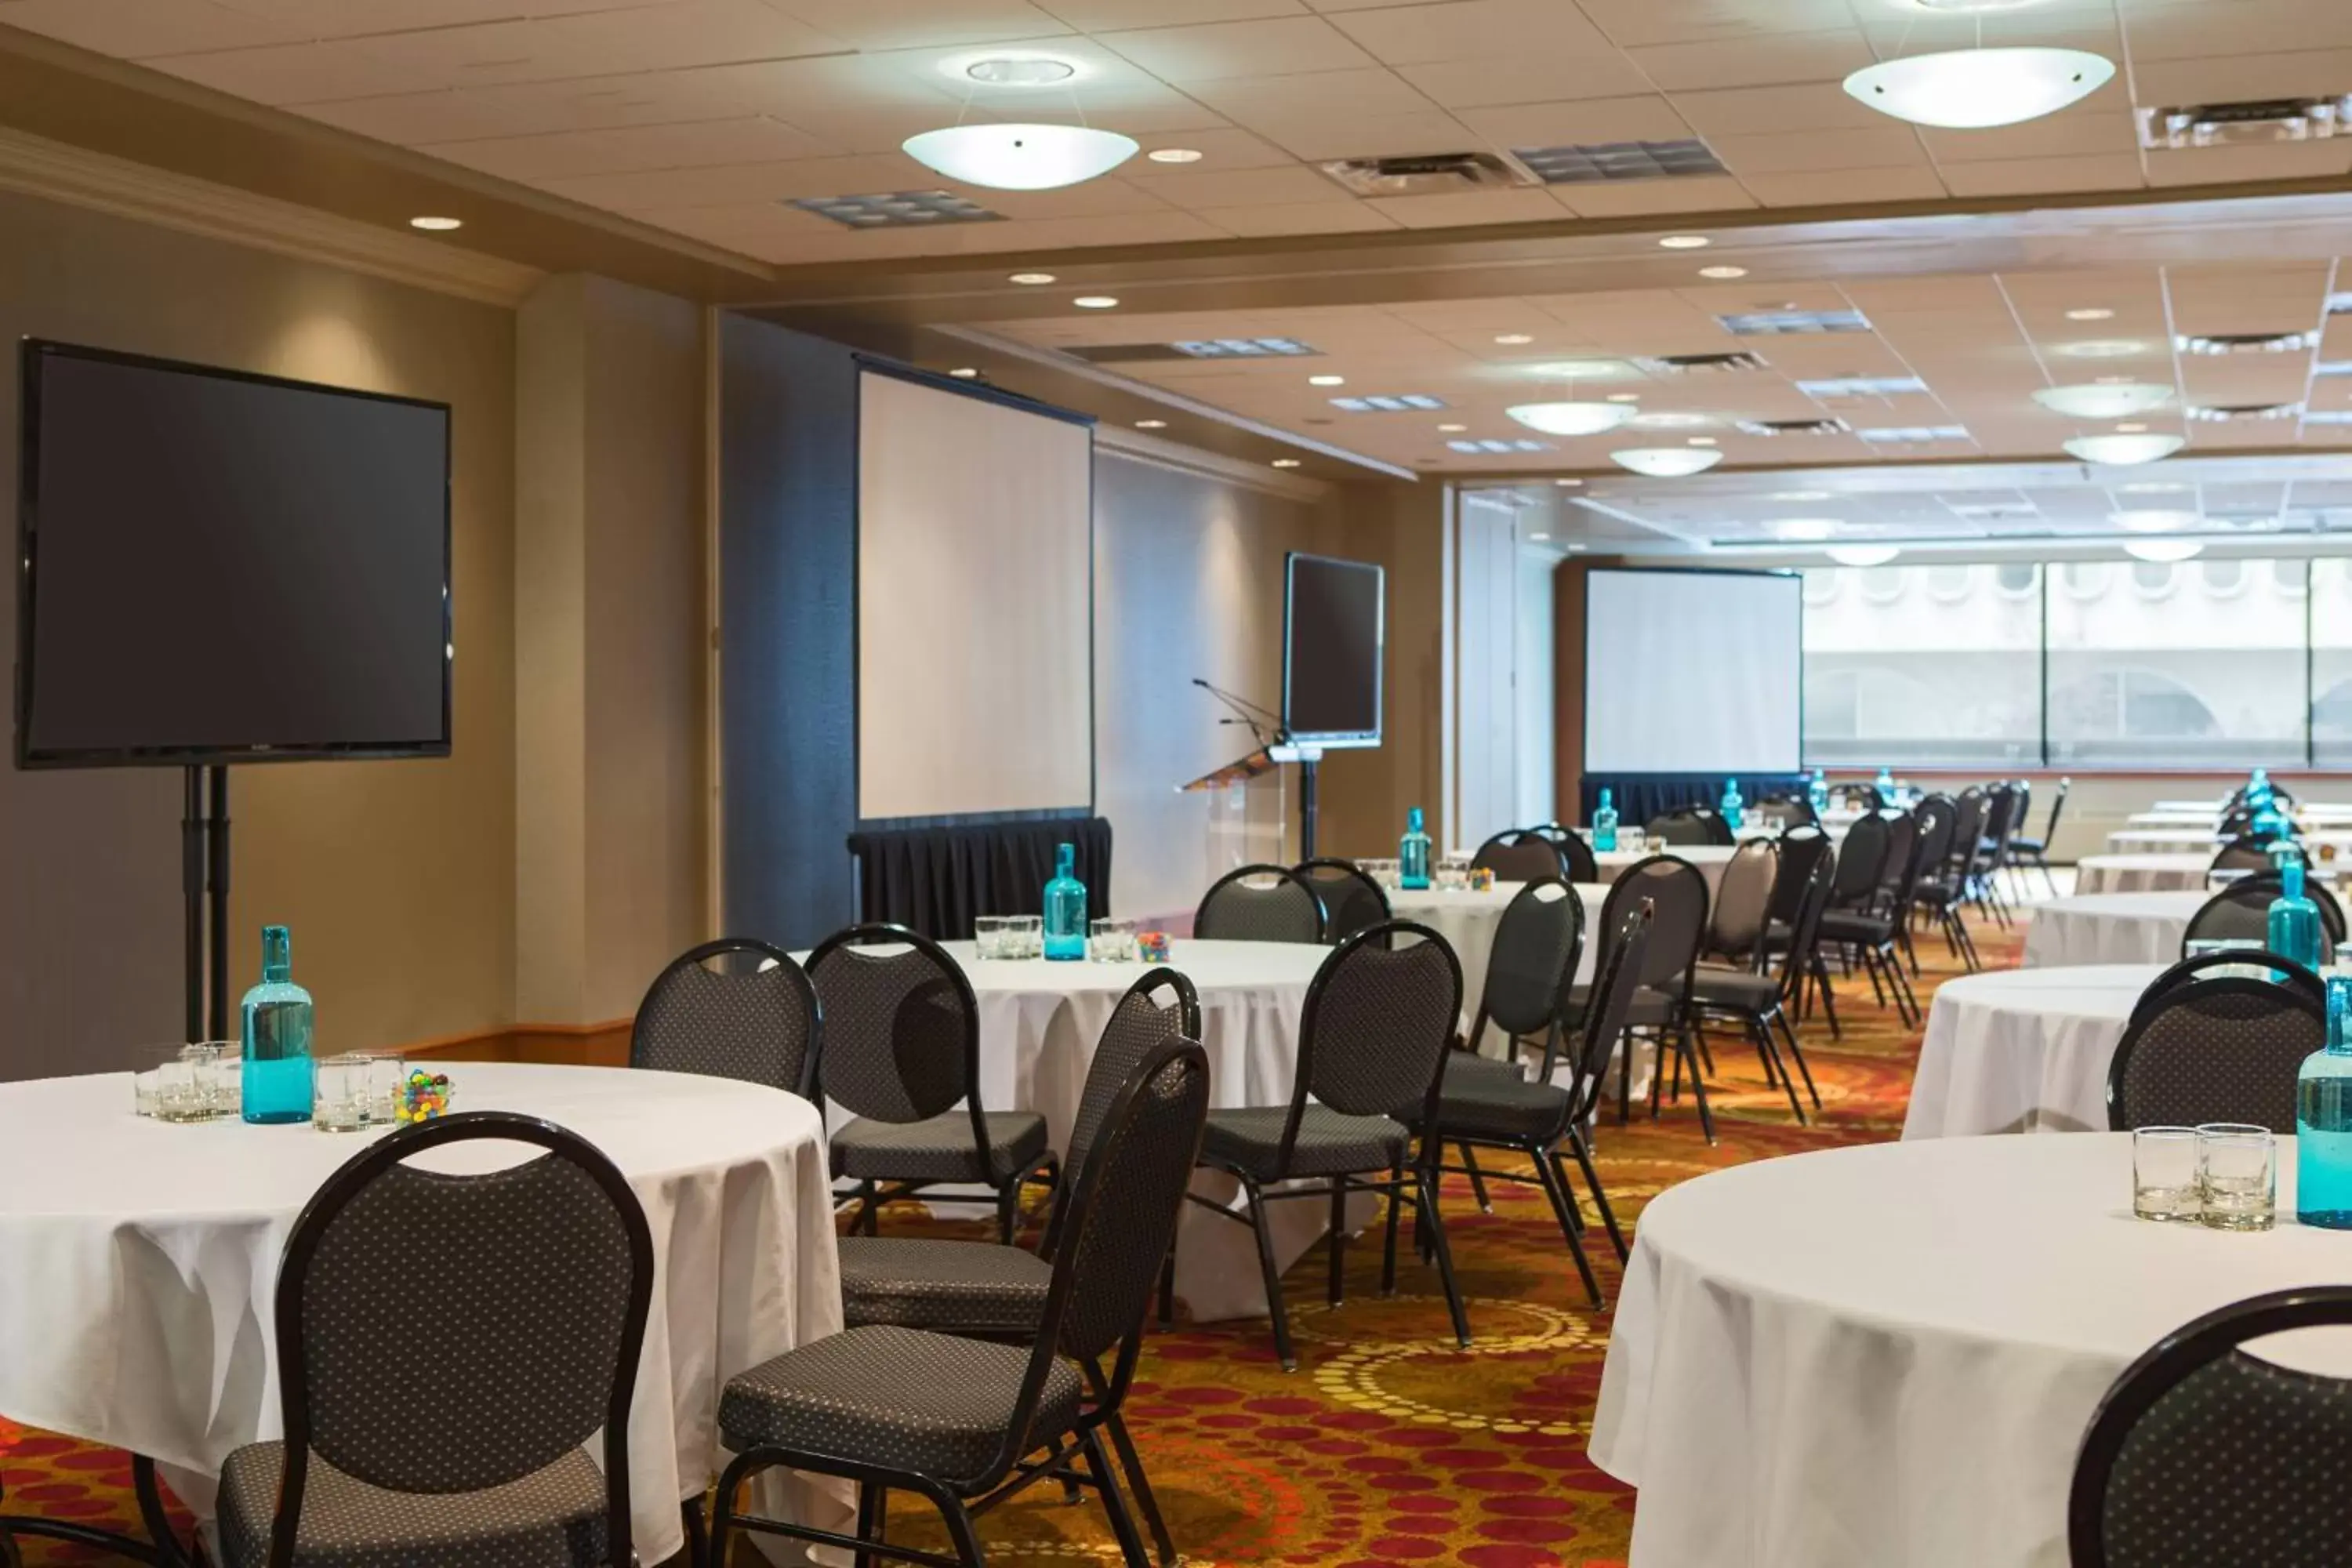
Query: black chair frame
x,y
2255,893
2035,852
870,1194
1677,1033
339,1189
726,946
1581,865
2178,989
1011,1472
2188,970
1513,838
1245,873
1360,879
2186,1351
1761,1022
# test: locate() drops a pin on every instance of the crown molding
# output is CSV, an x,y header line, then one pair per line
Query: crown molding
x,y
36,166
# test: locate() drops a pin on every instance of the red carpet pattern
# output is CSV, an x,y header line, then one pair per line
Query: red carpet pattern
x,y
1388,1445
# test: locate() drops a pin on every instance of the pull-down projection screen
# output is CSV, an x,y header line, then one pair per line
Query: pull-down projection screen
x,y
1693,672
975,650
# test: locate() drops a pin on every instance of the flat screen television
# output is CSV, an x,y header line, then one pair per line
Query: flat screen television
x,y
1332,635
218,567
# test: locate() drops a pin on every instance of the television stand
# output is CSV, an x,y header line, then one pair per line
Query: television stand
x,y
203,887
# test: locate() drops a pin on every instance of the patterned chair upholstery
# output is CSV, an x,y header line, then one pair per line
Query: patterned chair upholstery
x,y
1260,903
2216,1050
733,1008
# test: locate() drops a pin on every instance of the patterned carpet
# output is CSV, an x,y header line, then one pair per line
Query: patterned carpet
x,y
1388,1446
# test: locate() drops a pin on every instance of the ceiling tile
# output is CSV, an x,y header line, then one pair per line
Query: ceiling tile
x,y
1105,16
1473,30
2177,32
1634,22
1194,187
2235,79
750,139
1537,77
1815,106
1845,187
2077,133
2274,160
2039,176
320,19
743,185
137,30
1696,194
1356,94
1470,208
1590,121
1802,152
921,24
298,73
1772,59
1318,218
1217,51
1318,138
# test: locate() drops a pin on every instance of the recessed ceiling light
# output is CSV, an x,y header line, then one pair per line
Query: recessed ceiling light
x,y
436,225
2122,451
1670,421
2164,552
1723,274
1152,425
2103,348
1965,8
1809,528
1174,155
1571,418
1666,462
1799,495
1702,441
1513,339
1326,381
1568,484
2130,429
1540,538
964,373
2091,313
1097,301
1020,157
1453,429
1031,278
1863,555
1686,242
1624,397
2104,400
1969,89
1285,462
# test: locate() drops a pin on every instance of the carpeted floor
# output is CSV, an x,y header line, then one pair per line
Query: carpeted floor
x,y
1388,1445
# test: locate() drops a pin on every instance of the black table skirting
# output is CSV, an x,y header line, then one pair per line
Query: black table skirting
x,y
1641,796
938,880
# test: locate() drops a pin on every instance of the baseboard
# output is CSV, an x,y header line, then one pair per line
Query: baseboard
x,y
560,1045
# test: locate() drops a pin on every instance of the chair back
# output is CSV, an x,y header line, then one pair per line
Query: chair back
x,y
2203,1453
2057,809
1802,849
732,1008
1574,853
1537,944
2241,912
1898,866
1939,821
2284,971
1861,861
388,1262
1999,825
1163,1006
1515,857
2248,853
1813,901
1609,1004
1260,903
902,1026
2217,1049
1689,826
1968,831
1743,899
1676,893
1380,1016
1352,900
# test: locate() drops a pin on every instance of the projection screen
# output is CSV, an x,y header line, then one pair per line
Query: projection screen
x,y
1693,672
975,652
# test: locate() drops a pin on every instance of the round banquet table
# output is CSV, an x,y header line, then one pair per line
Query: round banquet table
x,y
2325,844
1468,920
2309,811
139,1261
2022,1050
1710,859
2142,873
2110,927
1889,1353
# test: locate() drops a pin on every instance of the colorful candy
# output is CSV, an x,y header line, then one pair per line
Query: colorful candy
x,y
1151,946
424,1096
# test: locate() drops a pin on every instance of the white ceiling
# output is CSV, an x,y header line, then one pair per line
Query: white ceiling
x,y
703,115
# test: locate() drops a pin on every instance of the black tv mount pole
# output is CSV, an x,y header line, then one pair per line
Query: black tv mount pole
x,y
1276,738
203,886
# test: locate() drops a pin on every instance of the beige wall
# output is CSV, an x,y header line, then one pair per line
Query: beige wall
x,y
397,878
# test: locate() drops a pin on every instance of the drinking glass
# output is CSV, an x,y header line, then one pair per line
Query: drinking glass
x,y
387,1072
147,1092
180,1090
340,1094
1387,873
220,1072
1024,936
1111,942
1453,872
2237,1177
988,933
2164,1174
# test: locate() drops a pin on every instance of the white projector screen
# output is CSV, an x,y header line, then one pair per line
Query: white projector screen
x,y
975,566
1693,672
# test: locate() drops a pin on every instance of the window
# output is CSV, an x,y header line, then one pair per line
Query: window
x,y
2086,578
2018,579
2290,579
2154,579
1924,679
1821,587
2224,579
1884,584
2330,586
1951,584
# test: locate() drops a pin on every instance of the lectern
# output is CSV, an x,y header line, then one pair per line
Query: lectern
x,y
1249,807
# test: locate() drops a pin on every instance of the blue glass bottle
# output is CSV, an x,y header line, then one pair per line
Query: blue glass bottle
x,y
2270,825
1818,792
1735,810
1886,786
1412,854
279,1023
1604,825
1065,909
2323,1121
2294,929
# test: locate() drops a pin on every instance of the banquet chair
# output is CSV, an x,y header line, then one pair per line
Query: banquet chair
x,y
732,1009
986,1290
1743,901
2219,1048
1992,852
1937,891
1678,893
968,1424
1488,1103
2241,912
2202,1453
1852,906
1352,898
901,1051
2248,853
1758,999
2283,970
1516,856
1877,931
2035,852
1260,903
1575,853
1372,1046
447,1347
1690,827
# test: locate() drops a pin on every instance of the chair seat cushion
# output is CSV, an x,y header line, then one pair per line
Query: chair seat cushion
x,y
2027,845
1716,987
1483,1097
953,1286
554,1519
938,1150
1844,925
1329,1144
1648,1009
897,1398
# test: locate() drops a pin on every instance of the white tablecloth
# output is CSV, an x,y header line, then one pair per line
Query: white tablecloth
x,y
2142,873
2022,1050
2310,811
139,1260
1888,1354
2323,843
2110,927
1710,859
1467,920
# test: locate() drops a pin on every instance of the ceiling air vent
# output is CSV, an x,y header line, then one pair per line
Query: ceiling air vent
x,y
1782,324
1427,173
2235,124
1200,348
1592,164
1691,364
897,209
2244,413
1795,427
2246,342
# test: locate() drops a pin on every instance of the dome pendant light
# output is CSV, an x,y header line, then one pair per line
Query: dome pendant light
x,y
2116,401
1020,157
1970,89
1668,462
1571,418
2124,451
